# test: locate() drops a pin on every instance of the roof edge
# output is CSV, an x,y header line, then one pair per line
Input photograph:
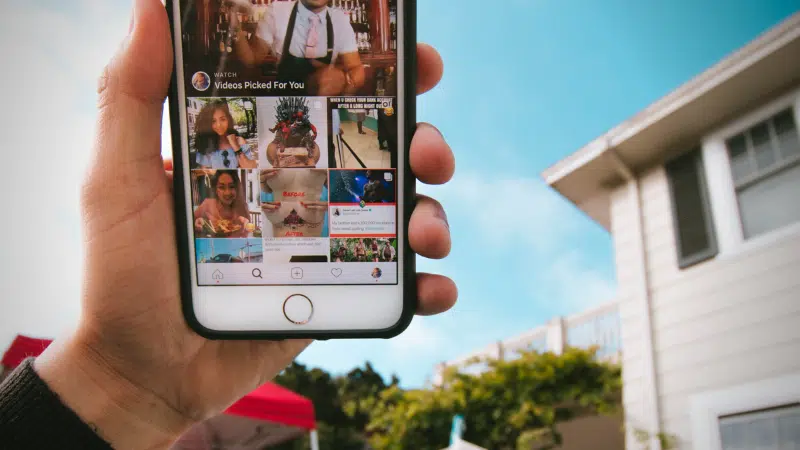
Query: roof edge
x,y
757,49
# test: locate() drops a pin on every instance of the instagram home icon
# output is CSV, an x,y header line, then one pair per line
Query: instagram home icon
x,y
201,81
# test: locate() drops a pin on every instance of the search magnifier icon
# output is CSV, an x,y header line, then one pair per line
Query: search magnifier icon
x,y
257,273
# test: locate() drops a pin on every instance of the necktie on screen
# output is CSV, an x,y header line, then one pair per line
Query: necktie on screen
x,y
313,36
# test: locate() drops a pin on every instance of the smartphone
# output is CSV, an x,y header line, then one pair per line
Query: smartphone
x,y
291,124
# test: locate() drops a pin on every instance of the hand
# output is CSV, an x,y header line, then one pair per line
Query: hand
x,y
244,220
272,211
327,81
276,180
270,207
233,141
133,368
319,206
198,224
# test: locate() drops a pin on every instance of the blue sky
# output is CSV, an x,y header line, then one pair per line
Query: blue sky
x,y
527,82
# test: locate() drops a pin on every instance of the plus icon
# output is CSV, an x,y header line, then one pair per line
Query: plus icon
x,y
297,273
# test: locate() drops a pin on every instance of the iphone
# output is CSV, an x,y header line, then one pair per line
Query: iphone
x,y
291,122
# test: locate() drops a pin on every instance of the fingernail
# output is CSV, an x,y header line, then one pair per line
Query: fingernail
x,y
133,17
429,126
437,130
440,214
136,10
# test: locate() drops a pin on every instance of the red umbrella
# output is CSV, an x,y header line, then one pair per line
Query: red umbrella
x,y
267,416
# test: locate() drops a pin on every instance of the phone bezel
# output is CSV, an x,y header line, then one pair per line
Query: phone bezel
x,y
406,289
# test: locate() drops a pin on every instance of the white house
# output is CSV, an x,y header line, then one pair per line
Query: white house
x,y
701,194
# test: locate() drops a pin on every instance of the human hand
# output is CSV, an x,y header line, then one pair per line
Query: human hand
x,y
276,180
198,224
265,176
234,141
314,211
315,206
327,81
133,368
272,211
244,220
270,207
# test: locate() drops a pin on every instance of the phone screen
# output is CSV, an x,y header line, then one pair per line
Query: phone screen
x,y
291,127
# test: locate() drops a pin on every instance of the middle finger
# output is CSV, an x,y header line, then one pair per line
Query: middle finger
x,y
428,231
432,160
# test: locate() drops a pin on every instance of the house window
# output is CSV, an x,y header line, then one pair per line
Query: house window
x,y
774,429
765,164
691,214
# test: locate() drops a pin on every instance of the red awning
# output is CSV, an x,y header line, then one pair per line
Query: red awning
x,y
270,402
274,403
23,347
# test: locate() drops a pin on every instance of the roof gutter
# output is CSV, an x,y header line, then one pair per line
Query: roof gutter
x,y
650,415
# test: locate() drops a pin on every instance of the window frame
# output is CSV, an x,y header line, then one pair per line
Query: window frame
x,y
707,408
723,190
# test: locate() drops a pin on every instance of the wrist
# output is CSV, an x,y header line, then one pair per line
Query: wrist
x,y
124,415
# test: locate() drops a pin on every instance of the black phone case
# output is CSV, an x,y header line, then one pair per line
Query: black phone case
x,y
409,189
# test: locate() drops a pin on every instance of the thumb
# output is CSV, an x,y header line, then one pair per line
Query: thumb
x,y
131,93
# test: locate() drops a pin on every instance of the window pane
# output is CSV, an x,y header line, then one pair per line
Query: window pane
x,y
771,203
789,431
762,434
762,145
786,129
692,218
732,436
776,429
740,160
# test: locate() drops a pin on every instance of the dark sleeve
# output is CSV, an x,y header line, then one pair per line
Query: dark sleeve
x,y
33,417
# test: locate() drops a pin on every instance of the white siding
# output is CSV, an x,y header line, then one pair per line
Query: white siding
x,y
623,231
728,321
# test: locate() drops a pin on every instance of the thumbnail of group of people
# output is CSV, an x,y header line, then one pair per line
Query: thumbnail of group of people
x,y
364,250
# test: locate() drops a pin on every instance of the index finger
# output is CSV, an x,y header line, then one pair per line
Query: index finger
x,y
429,68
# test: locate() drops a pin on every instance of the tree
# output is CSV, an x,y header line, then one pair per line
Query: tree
x,y
514,405
359,391
342,404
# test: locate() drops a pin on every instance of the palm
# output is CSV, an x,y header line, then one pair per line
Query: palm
x,y
163,354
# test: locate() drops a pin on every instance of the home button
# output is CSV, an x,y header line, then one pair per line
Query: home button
x,y
298,309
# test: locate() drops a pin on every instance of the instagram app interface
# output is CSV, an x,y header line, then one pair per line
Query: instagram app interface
x,y
292,137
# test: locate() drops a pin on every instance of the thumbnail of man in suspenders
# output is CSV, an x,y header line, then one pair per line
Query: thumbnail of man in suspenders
x,y
314,45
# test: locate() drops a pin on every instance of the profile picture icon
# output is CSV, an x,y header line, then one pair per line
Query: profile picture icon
x,y
377,273
201,81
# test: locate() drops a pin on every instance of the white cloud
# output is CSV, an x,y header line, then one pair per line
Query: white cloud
x,y
576,285
511,211
514,217
419,340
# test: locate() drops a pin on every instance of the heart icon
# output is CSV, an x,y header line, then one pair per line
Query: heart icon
x,y
336,272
